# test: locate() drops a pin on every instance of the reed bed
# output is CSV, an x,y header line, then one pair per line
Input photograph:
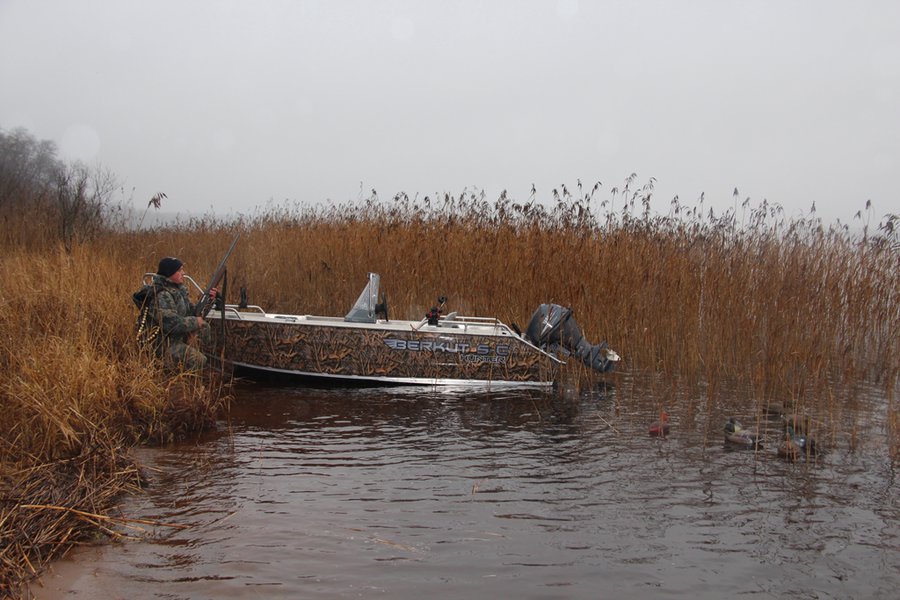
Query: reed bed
x,y
786,306
800,313
76,393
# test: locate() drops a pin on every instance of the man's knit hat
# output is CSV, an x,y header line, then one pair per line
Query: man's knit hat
x,y
168,266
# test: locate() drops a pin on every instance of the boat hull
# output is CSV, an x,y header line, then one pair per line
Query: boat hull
x,y
396,352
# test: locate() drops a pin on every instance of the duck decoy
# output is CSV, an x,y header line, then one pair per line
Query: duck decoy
x,y
660,428
797,424
796,444
775,409
789,450
737,434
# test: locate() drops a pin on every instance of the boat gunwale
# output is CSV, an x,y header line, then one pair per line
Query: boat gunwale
x,y
417,381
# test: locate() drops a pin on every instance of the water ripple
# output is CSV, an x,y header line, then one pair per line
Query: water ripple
x,y
315,493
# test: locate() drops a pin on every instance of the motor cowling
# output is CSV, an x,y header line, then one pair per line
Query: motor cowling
x,y
553,328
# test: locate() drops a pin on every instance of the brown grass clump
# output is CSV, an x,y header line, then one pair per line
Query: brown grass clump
x,y
52,505
76,393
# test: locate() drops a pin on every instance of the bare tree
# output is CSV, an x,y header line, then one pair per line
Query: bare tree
x,y
28,169
42,197
83,195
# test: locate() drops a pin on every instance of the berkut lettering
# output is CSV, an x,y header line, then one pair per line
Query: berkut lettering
x,y
449,347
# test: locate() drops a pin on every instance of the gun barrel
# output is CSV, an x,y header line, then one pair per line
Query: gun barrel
x,y
204,305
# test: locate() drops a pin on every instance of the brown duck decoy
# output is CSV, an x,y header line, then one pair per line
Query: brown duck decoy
x,y
738,435
796,445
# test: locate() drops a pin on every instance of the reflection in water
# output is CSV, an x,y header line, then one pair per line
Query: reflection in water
x,y
404,492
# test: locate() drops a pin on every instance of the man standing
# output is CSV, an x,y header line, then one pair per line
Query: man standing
x,y
165,304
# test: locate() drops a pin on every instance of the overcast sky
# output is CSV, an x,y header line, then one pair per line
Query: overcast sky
x,y
226,106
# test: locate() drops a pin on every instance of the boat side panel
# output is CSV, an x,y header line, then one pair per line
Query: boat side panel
x,y
372,353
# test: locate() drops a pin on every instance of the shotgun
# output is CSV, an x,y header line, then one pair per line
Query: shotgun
x,y
205,304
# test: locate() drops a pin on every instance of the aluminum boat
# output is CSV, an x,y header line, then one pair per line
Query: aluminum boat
x,y
366,347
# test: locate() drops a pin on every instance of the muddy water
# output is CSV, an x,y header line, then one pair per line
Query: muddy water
x,y
408,494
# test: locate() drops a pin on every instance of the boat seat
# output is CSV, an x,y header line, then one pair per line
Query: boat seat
x,y
449,317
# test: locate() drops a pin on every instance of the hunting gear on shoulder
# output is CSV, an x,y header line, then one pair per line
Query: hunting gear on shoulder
x,y
167,321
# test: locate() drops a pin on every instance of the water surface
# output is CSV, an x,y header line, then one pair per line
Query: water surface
x,y
407,493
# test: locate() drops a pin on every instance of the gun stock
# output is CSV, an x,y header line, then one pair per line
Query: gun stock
x,y
205,304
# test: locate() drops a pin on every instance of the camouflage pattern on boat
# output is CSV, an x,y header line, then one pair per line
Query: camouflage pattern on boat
x,y
395,352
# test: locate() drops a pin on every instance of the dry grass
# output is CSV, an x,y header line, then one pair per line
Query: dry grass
x,y
52,505
75,395
797,312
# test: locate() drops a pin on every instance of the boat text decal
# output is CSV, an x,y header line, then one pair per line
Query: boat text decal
x,y
481,353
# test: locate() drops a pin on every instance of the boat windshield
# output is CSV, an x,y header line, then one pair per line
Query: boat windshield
x,y
364,309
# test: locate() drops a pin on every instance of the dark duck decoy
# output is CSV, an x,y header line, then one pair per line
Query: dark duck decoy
x,y
775,409
738,435
660,428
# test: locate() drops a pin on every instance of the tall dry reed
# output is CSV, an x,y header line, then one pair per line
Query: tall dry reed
x,y
75,394
802,313
783,305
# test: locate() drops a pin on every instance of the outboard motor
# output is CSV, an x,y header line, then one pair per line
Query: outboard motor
x,y
553,328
